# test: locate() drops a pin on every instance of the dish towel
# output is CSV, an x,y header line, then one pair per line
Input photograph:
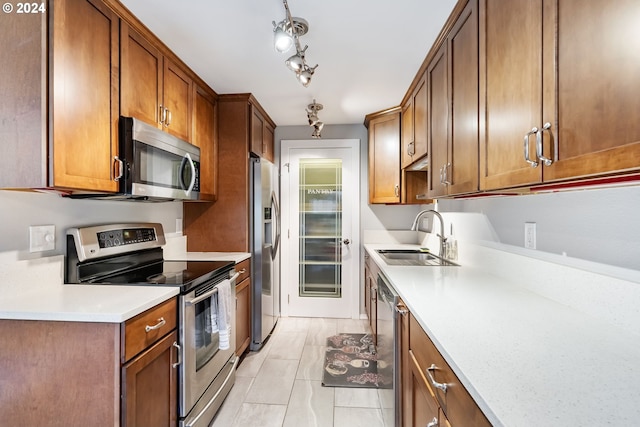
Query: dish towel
x,y
224,313
211,326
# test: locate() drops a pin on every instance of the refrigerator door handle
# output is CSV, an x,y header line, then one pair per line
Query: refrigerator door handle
x,y
276,209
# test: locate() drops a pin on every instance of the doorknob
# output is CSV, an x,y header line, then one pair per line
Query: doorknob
x,y
346,241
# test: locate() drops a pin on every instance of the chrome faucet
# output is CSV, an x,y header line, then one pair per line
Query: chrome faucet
x,y
443,240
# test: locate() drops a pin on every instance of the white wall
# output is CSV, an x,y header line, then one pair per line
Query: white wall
x,y
599,225
19,210
372,217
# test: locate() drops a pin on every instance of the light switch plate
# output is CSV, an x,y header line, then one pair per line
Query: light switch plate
x,y
42,238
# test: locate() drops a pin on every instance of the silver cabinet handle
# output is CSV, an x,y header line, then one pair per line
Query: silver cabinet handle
x,y
441,386
547,161
526,147
163,114
442,175
433,422
396,190
175,365
411,148
120,163
446,174
401,309
161,323
168,121
244,270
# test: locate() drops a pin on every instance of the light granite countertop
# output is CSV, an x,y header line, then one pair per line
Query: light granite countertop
x,y
526,357
35,290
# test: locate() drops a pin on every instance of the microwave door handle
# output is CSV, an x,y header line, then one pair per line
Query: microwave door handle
x,y
202,297
187,160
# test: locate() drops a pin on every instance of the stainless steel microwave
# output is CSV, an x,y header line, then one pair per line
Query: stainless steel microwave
x,y
154,165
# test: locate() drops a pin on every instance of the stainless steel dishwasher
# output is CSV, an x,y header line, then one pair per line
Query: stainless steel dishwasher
x,y
388,350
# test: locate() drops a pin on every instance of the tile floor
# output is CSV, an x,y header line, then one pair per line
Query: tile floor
x,y
280,386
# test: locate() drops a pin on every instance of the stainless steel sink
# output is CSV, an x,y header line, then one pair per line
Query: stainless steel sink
x,y
412,257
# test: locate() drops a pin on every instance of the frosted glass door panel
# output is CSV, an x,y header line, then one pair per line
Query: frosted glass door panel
x,y
320,214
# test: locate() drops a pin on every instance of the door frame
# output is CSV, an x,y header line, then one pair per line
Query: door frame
x,y
351,173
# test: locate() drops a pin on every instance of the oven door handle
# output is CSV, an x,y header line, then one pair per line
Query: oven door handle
x,y
202,297
234,277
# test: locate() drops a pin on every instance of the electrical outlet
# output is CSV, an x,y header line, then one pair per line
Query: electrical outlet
x,y
530,235
42,238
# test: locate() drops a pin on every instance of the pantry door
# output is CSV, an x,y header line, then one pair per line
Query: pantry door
x,y
320,228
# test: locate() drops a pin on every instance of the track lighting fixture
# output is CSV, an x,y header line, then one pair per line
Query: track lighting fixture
x,y
286,34
314,121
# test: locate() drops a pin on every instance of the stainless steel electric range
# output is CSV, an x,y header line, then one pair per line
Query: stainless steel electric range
x,y
132,254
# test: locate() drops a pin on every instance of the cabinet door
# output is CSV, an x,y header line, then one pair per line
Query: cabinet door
x,y
84,94
406,379
204,137
407,148
257,132
384,159
177,98
438,121
140,77
243,316
150,386
268,142
510,76
596,85
423,407
462,172
420,119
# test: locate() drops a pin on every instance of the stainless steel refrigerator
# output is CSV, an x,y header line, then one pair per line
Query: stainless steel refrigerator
x,y
265,242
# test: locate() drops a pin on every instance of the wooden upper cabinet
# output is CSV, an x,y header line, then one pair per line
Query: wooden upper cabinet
x,y
204,137
84,94
438,119
154,89
262,134
406,133
141,77
414,125
591,98
384,156
177,100
512,86
463,60
569,65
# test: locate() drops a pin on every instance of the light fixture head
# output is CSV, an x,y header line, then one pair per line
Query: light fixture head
x,y
286,33
282,40
314,121
304,76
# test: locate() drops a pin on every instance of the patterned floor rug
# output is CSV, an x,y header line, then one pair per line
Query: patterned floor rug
x,y
351,361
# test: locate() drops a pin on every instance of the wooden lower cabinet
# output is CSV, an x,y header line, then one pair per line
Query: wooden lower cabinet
x,y
76,374
423,367
150,386
243,307
371,293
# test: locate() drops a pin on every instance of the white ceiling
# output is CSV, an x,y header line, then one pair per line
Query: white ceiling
x,y
368,51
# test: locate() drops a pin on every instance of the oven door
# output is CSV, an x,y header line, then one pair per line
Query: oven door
x,y
203,358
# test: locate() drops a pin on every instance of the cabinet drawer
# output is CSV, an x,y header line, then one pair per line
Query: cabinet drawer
x,y
244,269
456,403
148,327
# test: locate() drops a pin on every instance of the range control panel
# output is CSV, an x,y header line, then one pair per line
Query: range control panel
x,y
99,241
127,236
